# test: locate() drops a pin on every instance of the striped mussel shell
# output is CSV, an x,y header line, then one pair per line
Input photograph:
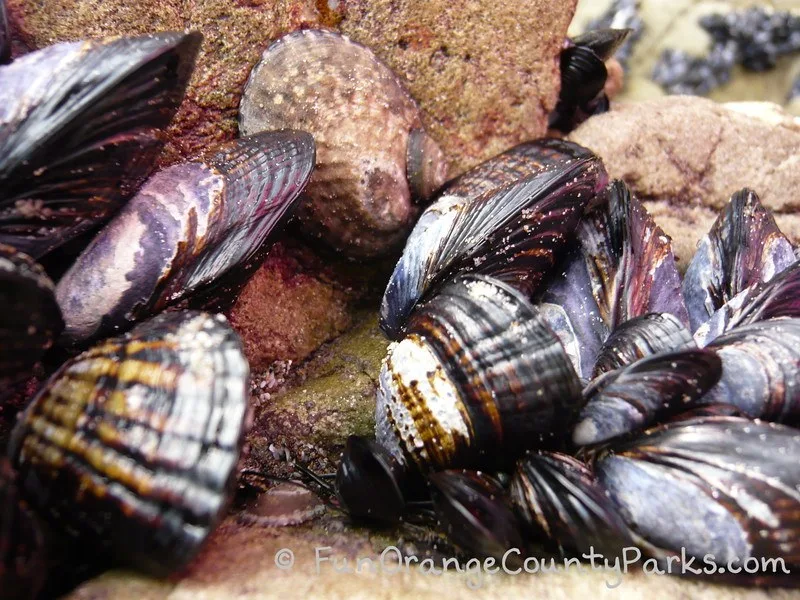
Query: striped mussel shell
x,y
190,229
509,218
640,337
477,379
131,447
638,395
724,489
473,509
760,370
80,131
564,507
621,267
23,558
375,164
744,247
30,320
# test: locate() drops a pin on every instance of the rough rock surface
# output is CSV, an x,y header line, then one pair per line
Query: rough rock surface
x,y
685,156
485,72
674,24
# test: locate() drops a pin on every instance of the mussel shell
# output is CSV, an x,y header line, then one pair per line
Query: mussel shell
x,y
478,379
640,337
583,75
368,482
760,370
621,267
373,163
132,446
720,486
30,320
778,297
473,509
23,560
5,34
637,395
744,247
564,506
514,232
603,42
79,132
188,228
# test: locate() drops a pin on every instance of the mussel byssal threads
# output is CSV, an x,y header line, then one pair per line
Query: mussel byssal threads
x,y
375,162
132,446
79,131
190,226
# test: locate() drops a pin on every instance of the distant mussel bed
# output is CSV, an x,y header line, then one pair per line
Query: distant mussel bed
x,y
553,383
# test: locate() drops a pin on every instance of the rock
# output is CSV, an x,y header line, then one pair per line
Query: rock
x,y
675,25
240,563
325,400
685,156
486,73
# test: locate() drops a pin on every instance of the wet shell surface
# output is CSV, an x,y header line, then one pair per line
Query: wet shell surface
x,y
79,131
189,227
564,506
132,446
5,34
743,248
761,370
477,379
30,320
621,267
510,218
374,160
637,395
721,486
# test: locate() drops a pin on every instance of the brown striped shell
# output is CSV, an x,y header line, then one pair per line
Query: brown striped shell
x,y
478,378
374,159
132,446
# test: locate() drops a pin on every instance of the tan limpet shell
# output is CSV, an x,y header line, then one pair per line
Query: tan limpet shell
x,y
375,163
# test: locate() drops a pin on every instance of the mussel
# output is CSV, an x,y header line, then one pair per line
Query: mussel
x,y
509,218
637,395
132,446
30,319
5,34
189,229
564,507
477,379
375,162
583,77
760,370
620,267
722,490
79,131
743,248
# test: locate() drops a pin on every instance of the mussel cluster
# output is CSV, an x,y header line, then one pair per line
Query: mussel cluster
x,y
555,385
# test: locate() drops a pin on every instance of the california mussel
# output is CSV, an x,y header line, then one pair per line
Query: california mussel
x,y
497,333
128,453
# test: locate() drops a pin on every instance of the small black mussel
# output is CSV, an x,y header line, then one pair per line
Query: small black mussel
x,y
191,226
510,217
474,511
721,490
564,507
478,378
583,77
132,446
23,558
30,320
620,266
79,131
743,248
635,396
